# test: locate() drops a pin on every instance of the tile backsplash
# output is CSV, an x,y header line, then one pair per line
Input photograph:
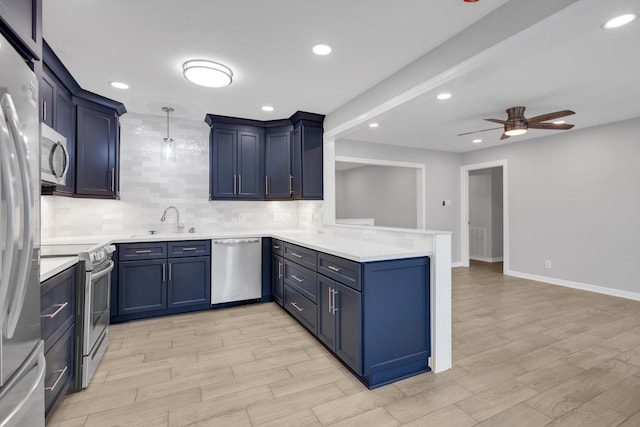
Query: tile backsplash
x,y
154,176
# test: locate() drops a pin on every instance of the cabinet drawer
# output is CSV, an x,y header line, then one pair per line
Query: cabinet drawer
x,y
302,279
277,247
301,308
57,304
135,251
59,369
189,248
300,255
340,269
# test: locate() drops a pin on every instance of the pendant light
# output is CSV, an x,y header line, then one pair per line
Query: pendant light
x,y
170,150
168,110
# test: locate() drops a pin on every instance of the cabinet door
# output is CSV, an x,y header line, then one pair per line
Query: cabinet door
x,y
23,16
249,167
296,163
278,165
326,316
65,124
311,162
47,89
189,282
277,277
96,152
348,313
142,286
223,164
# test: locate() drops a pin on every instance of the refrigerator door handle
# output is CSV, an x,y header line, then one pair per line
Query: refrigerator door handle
x,y
15,415
24,267
7,158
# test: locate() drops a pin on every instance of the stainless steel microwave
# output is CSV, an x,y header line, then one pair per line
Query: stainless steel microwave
x,y
54,156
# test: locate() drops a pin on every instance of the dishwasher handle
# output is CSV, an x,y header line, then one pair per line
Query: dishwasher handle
x,y
235,241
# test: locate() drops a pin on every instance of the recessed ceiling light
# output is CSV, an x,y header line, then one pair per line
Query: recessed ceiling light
x,y
443,96
619,21
267,108
373,125
322,49
207,73
559,122
119,85
477,141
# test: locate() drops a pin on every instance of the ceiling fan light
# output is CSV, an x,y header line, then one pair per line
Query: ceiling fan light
x,y
515,129
207,73
619,21
515,132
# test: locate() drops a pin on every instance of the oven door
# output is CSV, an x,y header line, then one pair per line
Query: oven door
x,y
96,308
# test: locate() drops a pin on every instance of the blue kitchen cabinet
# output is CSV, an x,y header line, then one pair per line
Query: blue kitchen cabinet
x,y
306,156
47,88
160,278
142,287
339,321
235,168
277,275
21,23
189,282
278,178
57,327
96,151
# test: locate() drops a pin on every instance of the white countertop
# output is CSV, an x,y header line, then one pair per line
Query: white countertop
x,y
353,249
49,267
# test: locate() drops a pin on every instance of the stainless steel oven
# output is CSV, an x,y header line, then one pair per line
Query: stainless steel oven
x,y
94,331
54,156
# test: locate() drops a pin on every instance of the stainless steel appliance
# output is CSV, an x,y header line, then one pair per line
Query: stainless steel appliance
x,y
93,299
54,156
236,266
22,363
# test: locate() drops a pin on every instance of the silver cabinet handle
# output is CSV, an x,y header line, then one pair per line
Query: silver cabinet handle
x,y
189,249
296,278
113,179
143,251
296,255
235,188
169,271
44,110
334,302
290,184
300,309
279,270
164,276
61,373
55,313
266,185
276,246
333,268
330,300
239,183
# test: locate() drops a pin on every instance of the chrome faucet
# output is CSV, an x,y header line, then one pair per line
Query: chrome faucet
x,y
179,226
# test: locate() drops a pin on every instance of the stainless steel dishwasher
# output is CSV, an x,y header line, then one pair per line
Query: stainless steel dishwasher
x,y
236,266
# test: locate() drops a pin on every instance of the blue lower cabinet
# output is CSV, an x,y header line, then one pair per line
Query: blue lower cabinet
x,y
277,278
189,282
304,310
142,286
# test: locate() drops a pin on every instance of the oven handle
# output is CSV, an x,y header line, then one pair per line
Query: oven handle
x,y
103,272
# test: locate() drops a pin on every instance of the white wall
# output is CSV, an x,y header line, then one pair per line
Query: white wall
x,y
385,193
442,177
574,199
149,182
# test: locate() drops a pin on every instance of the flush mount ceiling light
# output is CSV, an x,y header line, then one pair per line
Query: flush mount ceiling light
x,y
119,85
207,73
619,21
267,108
322,49
444,96
373,125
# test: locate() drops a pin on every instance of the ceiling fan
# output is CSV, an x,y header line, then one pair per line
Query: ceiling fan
x,y
518,124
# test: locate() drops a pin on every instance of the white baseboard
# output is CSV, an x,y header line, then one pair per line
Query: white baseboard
x,y
457,264
576,285
496,259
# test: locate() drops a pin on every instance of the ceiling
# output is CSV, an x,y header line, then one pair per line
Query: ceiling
x,y
563,62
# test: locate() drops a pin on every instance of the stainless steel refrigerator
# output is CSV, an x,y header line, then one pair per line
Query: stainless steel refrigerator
x,y
22,363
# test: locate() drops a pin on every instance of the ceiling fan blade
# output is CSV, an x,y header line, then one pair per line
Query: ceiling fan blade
x,y
502,122
550,126
504,136
476,131
550,116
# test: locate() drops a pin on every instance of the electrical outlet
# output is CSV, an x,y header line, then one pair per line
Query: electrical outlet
x,y
277,217
547,264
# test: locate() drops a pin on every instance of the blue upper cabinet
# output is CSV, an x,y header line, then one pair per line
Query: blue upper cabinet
x,y
235,166
273,160
21,23
278,163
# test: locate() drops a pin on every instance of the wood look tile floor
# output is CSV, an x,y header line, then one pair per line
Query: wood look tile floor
x,y
525,354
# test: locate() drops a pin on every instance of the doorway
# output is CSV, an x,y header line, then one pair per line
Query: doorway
x,y
485,213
